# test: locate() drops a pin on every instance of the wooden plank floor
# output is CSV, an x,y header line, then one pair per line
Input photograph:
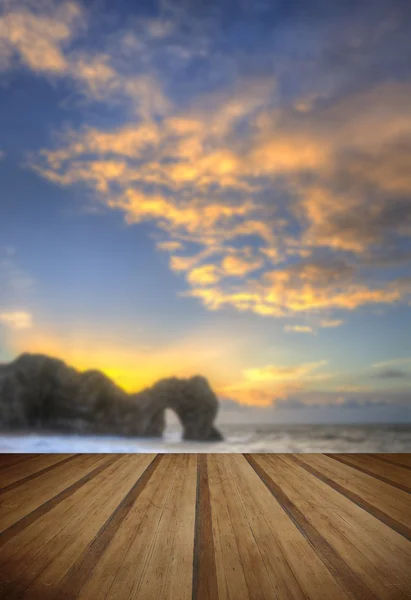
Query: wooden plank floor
x,y
205,527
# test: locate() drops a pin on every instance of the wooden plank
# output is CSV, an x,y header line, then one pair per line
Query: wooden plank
x,y
25,480
397,471
391,474
124,557
395,547
23,469
65,561
204,568
404,460
255,564
178,586
132,575
122,570
205,527
28,561
390,505
17,504
48,524
265,543
162,579
293,565
347,577
20,527
340,523
7,460
231,579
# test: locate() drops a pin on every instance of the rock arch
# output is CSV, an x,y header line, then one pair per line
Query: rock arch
x,y
37,391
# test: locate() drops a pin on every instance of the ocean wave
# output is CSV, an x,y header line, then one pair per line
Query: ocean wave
x,y
237,440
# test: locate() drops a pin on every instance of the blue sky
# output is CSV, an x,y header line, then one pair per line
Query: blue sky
x,y
220,188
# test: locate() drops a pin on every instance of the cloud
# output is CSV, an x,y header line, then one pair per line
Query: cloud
x,y
395,368
169,246
324,323
391,374
237,266
302,288
15,283
204,275
16,287
178,157
299,328
40,37
319,407
37,38
393,362
361,199
284,373
16,319
245,176
331,323
259,386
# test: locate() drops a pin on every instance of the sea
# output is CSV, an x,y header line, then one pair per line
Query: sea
x,y
237,438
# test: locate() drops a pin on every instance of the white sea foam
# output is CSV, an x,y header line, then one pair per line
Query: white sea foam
x,y
319,438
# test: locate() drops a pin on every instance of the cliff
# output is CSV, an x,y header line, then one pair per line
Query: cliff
x,y
38,392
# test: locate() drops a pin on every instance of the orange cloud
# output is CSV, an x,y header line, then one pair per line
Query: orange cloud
x,y
237,266
282,373
199,180
287,155
284,294
204,275
261,386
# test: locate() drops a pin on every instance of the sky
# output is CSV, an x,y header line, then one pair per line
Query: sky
x,y
220,188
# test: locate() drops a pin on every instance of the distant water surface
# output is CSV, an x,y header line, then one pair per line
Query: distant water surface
x,y
238,438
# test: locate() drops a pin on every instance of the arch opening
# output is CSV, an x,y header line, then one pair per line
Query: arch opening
x,y
173,431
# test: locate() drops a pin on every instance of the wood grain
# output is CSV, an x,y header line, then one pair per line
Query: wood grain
x,y
275,479
392,474
205,527
370,570
35,465
403,460
360,495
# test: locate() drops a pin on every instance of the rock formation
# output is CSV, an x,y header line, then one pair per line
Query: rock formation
x,y
38,392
